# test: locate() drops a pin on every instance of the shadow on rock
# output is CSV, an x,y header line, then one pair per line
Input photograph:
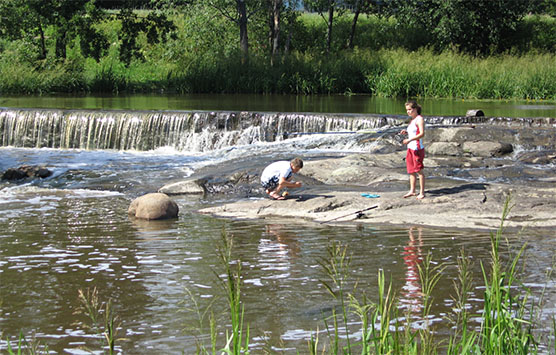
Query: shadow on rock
x,y
306,197
457,189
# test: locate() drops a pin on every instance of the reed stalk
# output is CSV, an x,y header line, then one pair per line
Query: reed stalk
x,y
429,274
103,321
462,340
336,267
237,341
506,329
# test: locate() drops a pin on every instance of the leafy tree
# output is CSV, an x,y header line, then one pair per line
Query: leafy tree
x,y
545,7
361,7
155,25
278,11
478,26
26,19
239,12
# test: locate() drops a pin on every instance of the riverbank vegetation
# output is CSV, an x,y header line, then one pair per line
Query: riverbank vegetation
x,y
194,47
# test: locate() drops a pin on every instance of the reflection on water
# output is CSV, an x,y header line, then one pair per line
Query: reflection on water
x,y
283,103
411,297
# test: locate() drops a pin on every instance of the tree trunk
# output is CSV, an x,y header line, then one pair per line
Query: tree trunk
x,y
329,32
354,24
43,44
243,39
275,12
61,43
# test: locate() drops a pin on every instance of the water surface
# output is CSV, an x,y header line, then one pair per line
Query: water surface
x,y
284,103
71,232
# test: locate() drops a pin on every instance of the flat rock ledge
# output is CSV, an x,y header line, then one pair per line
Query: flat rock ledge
x,y
466,169
466,206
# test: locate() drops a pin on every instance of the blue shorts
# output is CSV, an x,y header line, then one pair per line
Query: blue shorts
x,y
271,184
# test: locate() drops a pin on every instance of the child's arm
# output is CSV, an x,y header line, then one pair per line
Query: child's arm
x,y
285,183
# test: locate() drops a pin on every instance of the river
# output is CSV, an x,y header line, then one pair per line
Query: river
x,y
71,232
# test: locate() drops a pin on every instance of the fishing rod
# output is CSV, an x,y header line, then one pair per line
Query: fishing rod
x,y
358,214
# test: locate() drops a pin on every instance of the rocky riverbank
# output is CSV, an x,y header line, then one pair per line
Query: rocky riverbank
x,y
470,169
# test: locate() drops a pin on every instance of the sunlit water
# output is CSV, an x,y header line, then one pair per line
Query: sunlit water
x,y
71,232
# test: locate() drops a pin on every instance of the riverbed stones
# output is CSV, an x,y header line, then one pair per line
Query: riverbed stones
x,y
153,206
26,171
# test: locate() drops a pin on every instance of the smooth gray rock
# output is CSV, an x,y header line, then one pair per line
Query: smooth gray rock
x,y
487,148
153,206
444,148
184,187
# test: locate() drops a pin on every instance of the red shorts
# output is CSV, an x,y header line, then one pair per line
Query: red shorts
x,y
414,160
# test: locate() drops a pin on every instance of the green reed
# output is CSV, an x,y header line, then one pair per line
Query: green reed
x,y
462,340
34,347
507,317
238,341
103,320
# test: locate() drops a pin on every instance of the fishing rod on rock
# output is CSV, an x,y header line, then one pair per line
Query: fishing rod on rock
x,y
358,214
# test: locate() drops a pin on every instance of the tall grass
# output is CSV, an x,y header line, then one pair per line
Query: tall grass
x,y
385,73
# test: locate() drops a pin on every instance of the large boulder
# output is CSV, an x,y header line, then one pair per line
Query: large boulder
x,y
153,206
487,148
444,148
26,171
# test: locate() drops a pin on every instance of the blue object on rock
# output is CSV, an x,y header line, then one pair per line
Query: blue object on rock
x,y
370,195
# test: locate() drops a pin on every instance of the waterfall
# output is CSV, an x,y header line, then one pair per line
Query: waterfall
x,y
191,131
184,131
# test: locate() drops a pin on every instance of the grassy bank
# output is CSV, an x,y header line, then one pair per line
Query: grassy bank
x,y
386,73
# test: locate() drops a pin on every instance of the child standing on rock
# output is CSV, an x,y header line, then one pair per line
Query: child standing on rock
x,y
277,175
415,149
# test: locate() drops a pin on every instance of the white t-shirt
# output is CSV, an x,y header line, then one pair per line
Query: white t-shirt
x,y
412,131
277,169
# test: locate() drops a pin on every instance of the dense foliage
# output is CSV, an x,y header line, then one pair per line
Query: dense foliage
x,y
440,48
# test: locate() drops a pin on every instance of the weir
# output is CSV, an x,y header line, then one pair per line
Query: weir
x,y
188,131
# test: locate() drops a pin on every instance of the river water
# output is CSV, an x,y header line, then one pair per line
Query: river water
x,y
71,232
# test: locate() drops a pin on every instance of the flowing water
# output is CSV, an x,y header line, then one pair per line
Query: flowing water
x,y
71,232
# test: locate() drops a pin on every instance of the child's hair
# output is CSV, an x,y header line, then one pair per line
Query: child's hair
x,y
297,163
414,104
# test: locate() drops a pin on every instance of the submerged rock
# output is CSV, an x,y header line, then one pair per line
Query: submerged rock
x,y
153,206
26,171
